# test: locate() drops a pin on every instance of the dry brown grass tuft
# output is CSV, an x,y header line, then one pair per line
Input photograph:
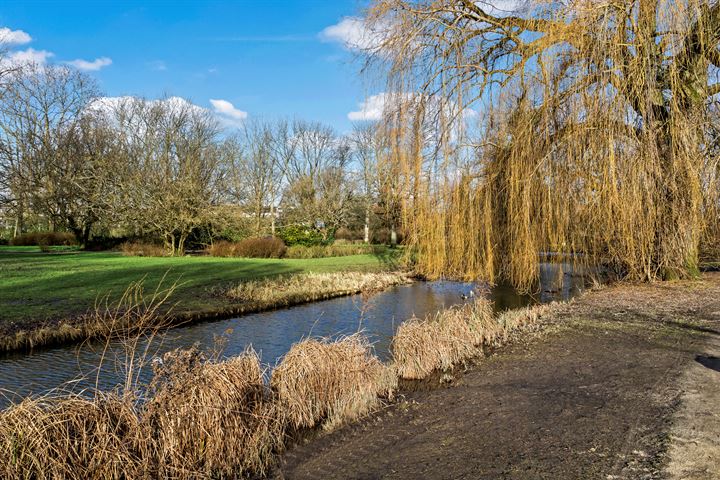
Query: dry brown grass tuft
x,y
330,382
212,419
518,318
71,438
422,346
283,291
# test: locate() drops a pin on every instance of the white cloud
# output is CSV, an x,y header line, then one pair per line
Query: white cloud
x,y
157,65
87,66
372,108
13,37
500,8
26,57
107,106
227,110
354,34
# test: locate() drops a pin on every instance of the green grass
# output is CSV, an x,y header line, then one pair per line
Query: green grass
x,y
35,286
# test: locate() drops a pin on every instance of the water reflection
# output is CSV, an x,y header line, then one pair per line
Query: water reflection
x,y
271,333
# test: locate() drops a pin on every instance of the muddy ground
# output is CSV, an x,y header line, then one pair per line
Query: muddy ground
x,y
607,388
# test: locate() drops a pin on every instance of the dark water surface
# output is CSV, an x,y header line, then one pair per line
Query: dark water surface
x,y
270,333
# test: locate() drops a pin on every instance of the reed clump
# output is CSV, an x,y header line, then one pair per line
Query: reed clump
x,y
330,382
439,342
211,419
72,437
282,291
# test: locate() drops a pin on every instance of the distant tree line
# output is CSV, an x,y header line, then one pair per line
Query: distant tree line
x,y
103,168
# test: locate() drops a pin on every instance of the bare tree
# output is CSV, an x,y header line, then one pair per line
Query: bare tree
x,y
366,145
171,171
319,190
254,171
40,111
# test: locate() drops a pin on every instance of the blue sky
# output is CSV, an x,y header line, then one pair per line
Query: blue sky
x,y
266,58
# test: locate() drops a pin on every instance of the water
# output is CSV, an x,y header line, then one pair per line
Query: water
x,y
270,333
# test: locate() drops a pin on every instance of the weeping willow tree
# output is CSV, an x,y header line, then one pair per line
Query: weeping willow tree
x,y
595,132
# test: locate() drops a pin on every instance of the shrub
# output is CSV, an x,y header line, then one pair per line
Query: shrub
x,y
44,238
348,235
139,249
261,247
383,236
222,248
256,247
322,251
105,242
301,251
324,381
300,235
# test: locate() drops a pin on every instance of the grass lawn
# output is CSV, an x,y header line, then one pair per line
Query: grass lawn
x,y
35,286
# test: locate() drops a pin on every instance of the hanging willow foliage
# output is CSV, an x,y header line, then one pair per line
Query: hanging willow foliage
x,y
593,136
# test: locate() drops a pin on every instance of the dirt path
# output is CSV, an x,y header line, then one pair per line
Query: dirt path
x,y
593,394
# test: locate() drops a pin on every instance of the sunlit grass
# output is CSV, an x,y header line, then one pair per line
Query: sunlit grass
x,y
35,286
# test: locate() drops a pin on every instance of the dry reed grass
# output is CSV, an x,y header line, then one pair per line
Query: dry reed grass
x,y
212,419
282,291
330,382
72,437
422,346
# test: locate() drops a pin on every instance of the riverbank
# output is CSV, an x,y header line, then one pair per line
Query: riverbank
x,y
608,386
51,298
204,417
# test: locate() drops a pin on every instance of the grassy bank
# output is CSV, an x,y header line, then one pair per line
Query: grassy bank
x,y
209,418
46,290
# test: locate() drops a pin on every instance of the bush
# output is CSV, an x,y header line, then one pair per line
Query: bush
x,y
300,235
348,235
222,248
44,238
258,247
139,249
105,242
262,247
383,236
322,251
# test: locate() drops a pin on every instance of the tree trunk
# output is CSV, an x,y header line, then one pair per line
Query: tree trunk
x,y
677,232
181,245
393,235
272,219
19,220
367,224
